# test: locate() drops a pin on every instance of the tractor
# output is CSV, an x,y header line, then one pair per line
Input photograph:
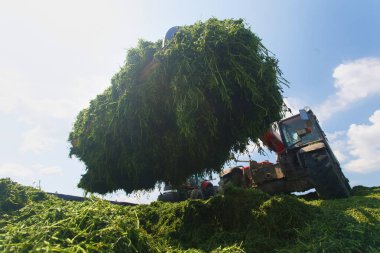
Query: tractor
x,y
195,187
304,161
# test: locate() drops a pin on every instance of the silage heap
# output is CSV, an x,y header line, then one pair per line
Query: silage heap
x,y
180,110
240,221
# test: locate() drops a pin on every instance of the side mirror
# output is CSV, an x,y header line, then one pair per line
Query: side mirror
x,y
304,115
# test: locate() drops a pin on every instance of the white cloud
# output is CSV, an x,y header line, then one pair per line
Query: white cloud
x,y
63,104
20,172
88,24
41,109
33,103
37,140
338,144
13,90
364,146
354,81
358,149
61,108
355,148
15,171
47,170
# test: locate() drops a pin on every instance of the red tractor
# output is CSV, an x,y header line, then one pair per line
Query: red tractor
x,y
305,161
195,187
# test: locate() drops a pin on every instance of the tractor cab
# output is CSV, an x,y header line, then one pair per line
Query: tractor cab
x,y
300,130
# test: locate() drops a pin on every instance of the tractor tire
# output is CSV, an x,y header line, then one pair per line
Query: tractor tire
x,y
326,176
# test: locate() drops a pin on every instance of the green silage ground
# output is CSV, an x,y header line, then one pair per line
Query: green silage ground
x,y
239,221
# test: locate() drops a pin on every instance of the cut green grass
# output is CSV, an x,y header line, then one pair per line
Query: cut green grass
x,y
239,221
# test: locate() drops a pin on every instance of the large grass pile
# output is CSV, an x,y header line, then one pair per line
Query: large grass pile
x,y
240,221
180,110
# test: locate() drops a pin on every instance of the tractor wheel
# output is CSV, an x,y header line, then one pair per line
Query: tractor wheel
x,y
326,176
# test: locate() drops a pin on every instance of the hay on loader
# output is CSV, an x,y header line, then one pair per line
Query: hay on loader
x,y
209,92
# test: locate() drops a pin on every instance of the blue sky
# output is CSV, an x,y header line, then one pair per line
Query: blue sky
x,y
57,55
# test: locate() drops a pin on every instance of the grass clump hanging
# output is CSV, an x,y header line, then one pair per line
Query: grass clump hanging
x,y
179,110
